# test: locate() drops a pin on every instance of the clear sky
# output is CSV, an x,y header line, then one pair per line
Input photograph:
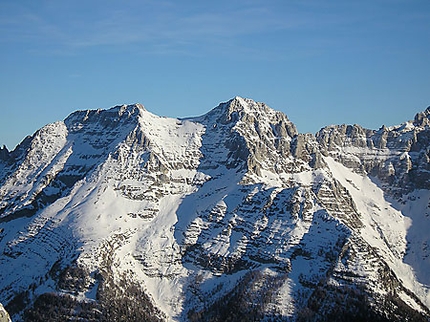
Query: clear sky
x,y
321,62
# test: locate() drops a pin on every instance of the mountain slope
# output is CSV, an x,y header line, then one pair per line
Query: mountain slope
x,y
123,215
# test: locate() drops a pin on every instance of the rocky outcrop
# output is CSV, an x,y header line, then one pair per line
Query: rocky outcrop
x,y
397,156
422,119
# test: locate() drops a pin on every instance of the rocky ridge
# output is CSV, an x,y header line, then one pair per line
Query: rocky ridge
x,y
398,156
233,215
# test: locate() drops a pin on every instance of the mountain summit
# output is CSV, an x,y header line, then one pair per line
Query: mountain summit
x,y
122,215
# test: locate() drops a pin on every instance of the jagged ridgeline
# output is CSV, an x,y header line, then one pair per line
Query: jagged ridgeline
x,y
122,215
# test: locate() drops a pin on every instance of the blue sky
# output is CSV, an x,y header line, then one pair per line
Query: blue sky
x,y
321,62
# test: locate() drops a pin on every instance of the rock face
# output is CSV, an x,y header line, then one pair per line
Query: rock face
x,y
398,156
123,215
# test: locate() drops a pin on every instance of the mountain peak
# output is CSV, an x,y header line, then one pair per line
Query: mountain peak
x,y
106,118
247,105
422,118
230,110
247,110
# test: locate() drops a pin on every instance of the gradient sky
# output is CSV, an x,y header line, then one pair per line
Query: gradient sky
x,y
321,62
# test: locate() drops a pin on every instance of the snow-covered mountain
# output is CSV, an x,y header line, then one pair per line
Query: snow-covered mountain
x,y
122,215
